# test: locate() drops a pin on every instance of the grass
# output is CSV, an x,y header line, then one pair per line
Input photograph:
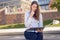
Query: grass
x,y
8,26
21,25
55,25
49,23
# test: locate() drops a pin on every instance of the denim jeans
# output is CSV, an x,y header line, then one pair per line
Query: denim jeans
x,y
33,35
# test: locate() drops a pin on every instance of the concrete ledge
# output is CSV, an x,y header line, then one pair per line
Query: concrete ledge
x,y
52,30
21,30
12,31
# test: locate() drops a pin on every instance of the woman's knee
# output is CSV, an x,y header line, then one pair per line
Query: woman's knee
x,y
30,35
40,36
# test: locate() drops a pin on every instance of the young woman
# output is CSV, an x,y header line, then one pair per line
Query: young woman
x,y
34,23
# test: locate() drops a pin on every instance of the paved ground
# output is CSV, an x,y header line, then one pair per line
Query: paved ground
x,y
51,36
21,37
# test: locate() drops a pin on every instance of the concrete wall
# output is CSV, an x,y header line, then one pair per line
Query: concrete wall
x,y
14,18
2,17
19,18
51,15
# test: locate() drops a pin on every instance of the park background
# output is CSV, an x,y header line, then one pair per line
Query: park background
x,y
12,13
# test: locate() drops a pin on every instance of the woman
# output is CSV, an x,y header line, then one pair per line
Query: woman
x,y
34,23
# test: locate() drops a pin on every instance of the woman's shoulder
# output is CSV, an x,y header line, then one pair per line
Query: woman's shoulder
x,y
27,12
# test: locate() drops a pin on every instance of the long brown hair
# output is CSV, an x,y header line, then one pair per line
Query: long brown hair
x,y
36,15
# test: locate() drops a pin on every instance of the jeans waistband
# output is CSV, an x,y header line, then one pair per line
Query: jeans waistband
x,y
34,28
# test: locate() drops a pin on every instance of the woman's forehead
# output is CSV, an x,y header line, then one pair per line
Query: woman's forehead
x,y
34,5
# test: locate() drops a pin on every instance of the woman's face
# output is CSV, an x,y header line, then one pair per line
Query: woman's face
x,y
34,7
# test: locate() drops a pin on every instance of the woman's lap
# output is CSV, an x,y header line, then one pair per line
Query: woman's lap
x,y
40,36
33,35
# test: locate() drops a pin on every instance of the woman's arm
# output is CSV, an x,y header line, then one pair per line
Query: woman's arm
x,y
40,21
27,20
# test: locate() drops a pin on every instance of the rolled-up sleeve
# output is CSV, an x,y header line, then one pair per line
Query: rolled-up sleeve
x,y
40,20
27,20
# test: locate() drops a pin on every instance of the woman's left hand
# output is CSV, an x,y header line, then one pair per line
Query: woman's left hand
x,y
40,30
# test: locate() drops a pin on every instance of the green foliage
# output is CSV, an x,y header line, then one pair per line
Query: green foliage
x,y
56,4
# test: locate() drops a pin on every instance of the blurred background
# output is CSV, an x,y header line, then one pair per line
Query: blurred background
x,y
12,18
12,12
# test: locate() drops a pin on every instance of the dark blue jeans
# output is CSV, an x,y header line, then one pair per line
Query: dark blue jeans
x,y
33,35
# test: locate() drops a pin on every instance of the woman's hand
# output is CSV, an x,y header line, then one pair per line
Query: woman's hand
x,y
40,30
32,13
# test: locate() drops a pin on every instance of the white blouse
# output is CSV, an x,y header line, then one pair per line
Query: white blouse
x,y
31,22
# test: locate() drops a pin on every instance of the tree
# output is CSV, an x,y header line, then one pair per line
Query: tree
x,y
56,4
